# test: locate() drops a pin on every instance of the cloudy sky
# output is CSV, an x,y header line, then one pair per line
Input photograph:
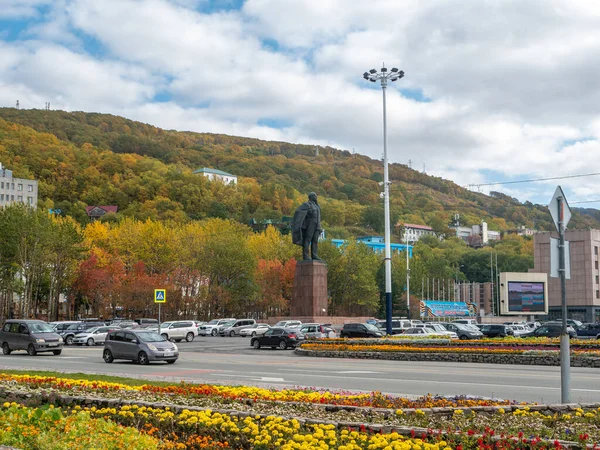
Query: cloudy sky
x,y
495,90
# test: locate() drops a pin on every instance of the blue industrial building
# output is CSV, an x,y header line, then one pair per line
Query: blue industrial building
x,y
377,244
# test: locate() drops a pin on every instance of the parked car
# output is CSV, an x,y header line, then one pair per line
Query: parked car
x,y
589,331
438,329
281,338
93,336
235,328
69,333
212,328
428,332
576,324
128,324
179,330
288,324
257,329
61,325
141,346
518,330
33,336
464,331
146,323
550,330
317,331
357,330
399,326
496,330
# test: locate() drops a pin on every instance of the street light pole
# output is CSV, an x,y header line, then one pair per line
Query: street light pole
x,y
407,274
383,76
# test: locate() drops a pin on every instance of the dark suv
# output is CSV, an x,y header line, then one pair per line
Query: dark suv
x,y
34,336
69,333
357,330
491,330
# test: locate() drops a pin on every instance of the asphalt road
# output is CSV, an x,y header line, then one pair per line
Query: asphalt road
x,y
233,361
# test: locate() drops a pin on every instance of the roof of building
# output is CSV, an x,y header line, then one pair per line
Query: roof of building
x,y
418,227
215,171
108,209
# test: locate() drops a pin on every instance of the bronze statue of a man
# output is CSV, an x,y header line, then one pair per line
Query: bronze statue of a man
x,y
306,227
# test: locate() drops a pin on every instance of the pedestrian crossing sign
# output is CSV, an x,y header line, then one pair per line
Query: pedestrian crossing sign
x,y
160,295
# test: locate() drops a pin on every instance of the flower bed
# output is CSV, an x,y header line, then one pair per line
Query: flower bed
x,y
125,411
52,429
517,342
507,351
164,428
194,394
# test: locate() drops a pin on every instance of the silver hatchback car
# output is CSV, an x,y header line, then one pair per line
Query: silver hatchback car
x,y
141,346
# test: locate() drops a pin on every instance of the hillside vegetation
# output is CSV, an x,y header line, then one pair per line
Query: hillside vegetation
x,y
98,159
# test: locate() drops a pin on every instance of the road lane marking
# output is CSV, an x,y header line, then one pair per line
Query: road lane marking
x,y
357,371
269,379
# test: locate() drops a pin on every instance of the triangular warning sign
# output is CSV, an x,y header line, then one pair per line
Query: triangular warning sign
x,y
160,295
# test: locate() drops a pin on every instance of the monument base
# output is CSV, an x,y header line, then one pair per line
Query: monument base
x,y
310,289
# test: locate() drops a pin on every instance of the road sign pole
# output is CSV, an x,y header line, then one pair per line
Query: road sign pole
x,y
159,318
565,351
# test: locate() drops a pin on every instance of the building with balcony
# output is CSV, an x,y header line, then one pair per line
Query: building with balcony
x,y
413,232
17,190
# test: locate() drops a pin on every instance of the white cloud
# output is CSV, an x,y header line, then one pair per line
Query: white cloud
x,y
513,85
21,8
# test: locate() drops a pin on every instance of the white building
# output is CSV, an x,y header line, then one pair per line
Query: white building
x,y
413,232
219,175
17,190
481,230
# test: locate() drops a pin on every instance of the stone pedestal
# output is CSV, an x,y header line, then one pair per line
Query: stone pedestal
x,y
310,289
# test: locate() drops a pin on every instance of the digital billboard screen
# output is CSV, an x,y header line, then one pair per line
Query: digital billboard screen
x,y
526,297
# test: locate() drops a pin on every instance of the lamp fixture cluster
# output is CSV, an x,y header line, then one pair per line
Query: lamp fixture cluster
x,y
393,75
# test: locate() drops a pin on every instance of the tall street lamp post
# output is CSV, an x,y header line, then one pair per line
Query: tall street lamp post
x,y
384,76
407,275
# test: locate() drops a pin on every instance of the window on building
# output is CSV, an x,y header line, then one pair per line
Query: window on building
x,y
2,185
19,198
597,279
30,200
12,186
19,187
596,264
1,197
29,188
12,198
597,293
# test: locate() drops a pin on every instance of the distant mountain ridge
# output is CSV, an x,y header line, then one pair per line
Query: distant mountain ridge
x,y
147,171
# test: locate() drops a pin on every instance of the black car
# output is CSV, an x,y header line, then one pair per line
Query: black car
x,y
357,330
550,330
492,330
278,338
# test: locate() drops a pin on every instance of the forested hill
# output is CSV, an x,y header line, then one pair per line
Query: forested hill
x,y
99,159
